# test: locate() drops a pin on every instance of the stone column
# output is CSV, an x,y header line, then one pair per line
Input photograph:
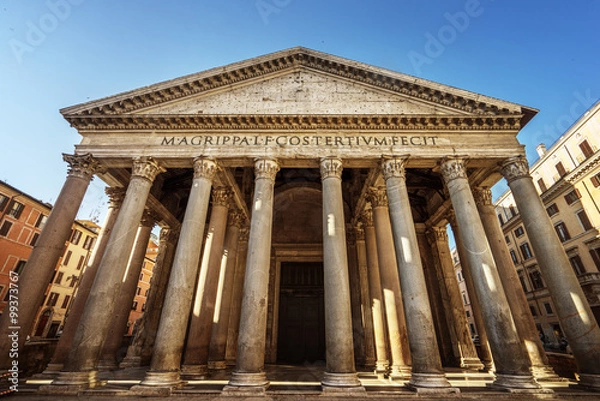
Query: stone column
x,y
195,359
236,300
512,288
358,332
118,325
510,360
365,296
166,359
249,375
427,372
139,352
79,368
484,345
340,373
49,247
218,340
574,313
377,309
115,196
467,354
390,284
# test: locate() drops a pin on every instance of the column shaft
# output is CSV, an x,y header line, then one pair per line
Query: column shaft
x,y
236,301
365,296
358,332
49,247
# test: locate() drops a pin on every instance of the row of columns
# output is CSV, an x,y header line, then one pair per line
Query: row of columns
x,y
510,359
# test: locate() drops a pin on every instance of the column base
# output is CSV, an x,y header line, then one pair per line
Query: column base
x,y
107,364
546,373
195,371
248,380
346,383
71,383
162,379
589,382
369,364
471,364
131,362
399,372
518,384
217,365
431,383
381,367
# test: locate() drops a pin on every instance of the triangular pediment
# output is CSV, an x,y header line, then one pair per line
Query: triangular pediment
x,y
297,82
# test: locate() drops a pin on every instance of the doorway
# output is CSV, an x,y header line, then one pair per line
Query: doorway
x,y
301,336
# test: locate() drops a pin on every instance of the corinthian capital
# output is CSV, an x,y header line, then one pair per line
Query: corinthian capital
x,y
146,167
359,234
453,167
266,168
115,196
149,218
367,218
236,218
331,167
377,196
514,168
205,168
82,166
482,196
437,234
221,196
394,167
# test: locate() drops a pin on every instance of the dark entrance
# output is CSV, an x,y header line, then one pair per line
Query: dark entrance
x,y
301,336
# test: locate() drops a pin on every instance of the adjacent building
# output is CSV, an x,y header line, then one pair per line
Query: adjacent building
x,y
567,178
141,293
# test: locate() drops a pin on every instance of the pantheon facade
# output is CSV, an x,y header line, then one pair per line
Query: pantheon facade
x,y
303,202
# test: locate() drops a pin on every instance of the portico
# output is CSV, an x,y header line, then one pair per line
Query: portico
x,y
306,149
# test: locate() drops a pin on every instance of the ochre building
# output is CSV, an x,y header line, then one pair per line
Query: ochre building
x,y
303,200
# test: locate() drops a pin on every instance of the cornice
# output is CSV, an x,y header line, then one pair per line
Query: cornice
x,y
289,60
296,122
573,177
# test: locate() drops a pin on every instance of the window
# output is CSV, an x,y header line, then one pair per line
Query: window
x,y
526,251
548,308
80,262
459,276
59,278
513,256
65,302
134,306
519,231
572,196
552,209
586,149
584,220
5,228
74,280
464,297
144,307
563,233
507,239
146,293
523,281
536,280
513,211
15,209
533,310
41,221
89,241
501,219
52,299
34,239
561,169
67,258
141,276
542,185
3,202
19,267
577,264
595,181
138,291
468,313
76,237
595,253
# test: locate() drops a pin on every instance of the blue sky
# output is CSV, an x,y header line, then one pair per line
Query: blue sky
x,y
57,53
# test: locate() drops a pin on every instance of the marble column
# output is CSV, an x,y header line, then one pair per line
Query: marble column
x,y
365,296
427,373
358,332
218,340
511,362
166,358
512,288
572,308
467,354
139,352
79,368
195,359
390,284
377,308
236,300
118,324
340,373
49,247
484,344
115,197
249,375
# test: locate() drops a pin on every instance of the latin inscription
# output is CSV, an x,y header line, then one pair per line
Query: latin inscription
x,y
299,140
